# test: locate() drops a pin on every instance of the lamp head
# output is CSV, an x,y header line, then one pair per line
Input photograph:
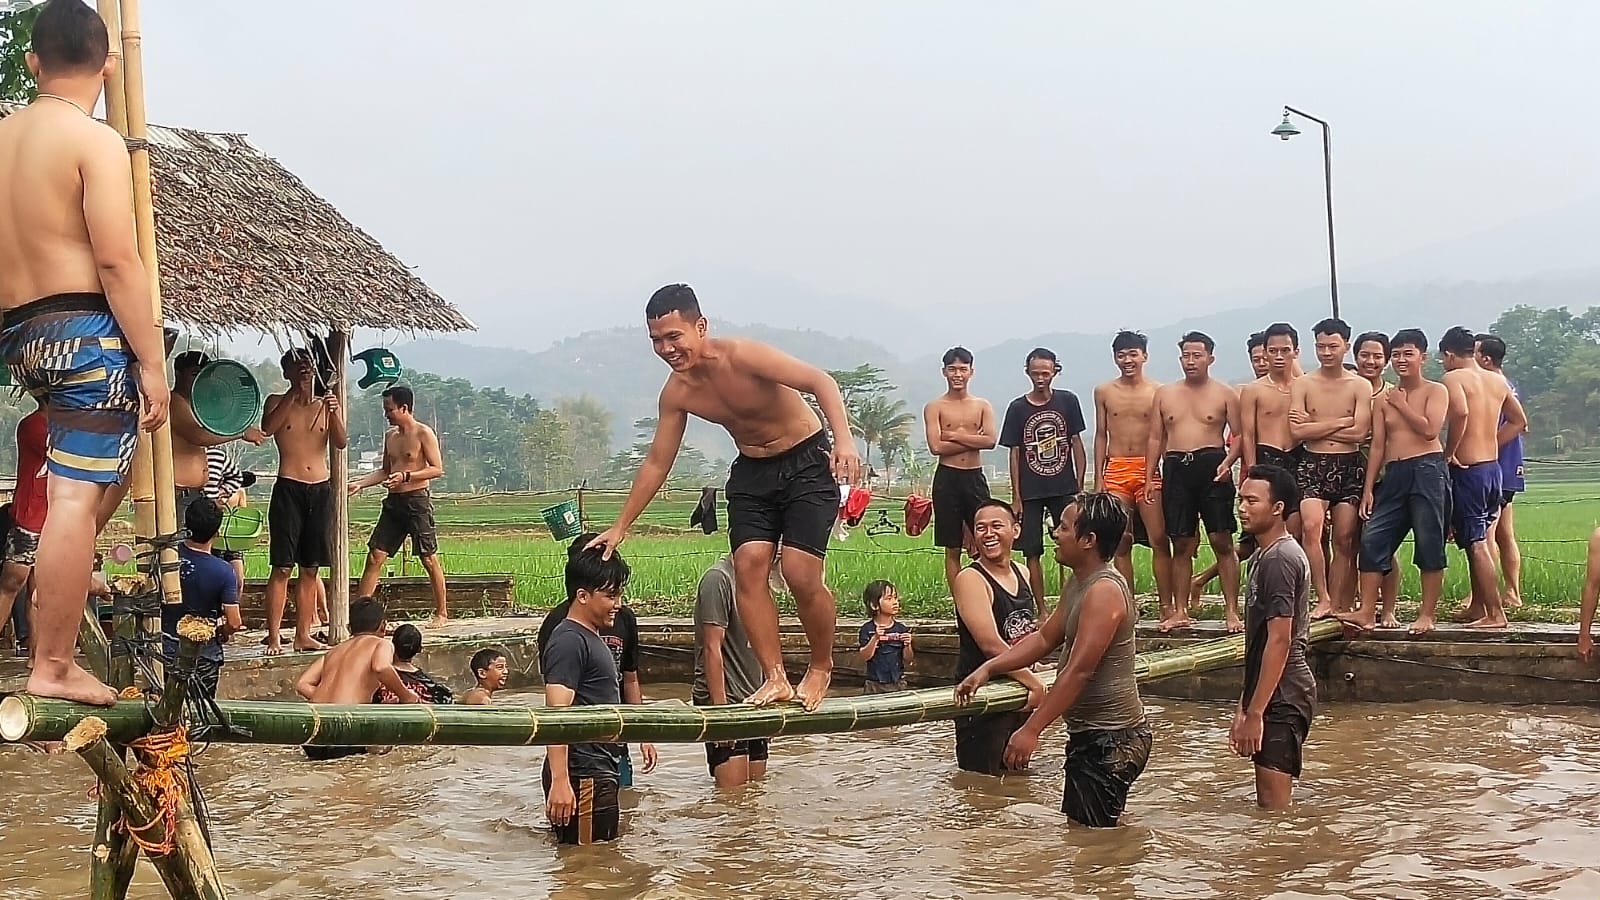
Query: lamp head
x,y
1285,130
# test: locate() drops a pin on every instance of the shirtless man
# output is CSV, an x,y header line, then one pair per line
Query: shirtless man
x,y
1407,487
1256,346
1330,411
1372,352
411,460
1503,547
1044,431
77,331
784,487
190,473
1192,419
959,428
1479,401
353,671
303,422
1122,416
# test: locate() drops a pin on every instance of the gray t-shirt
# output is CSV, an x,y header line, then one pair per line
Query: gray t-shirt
x,y
576,658
714,605
1278,587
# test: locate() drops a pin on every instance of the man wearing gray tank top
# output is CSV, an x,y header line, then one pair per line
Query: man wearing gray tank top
x,y
1095,690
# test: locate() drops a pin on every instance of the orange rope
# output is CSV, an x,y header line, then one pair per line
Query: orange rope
x,y
158,776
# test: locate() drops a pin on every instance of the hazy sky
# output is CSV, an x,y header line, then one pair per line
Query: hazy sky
x,y
532,156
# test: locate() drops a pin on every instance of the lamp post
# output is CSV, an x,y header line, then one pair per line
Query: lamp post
x,y
1286,130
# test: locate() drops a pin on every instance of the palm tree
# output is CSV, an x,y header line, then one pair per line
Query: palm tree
x,y
881,420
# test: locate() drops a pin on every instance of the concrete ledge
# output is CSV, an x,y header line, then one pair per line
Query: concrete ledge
x,y
407,597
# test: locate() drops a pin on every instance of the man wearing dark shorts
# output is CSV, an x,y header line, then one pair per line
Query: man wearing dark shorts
x,y
726,671
959,427
1044,431
411,461
1280,694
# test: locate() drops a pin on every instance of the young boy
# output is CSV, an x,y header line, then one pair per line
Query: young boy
x,y
407,644
581,781
489,669
352,671
885,640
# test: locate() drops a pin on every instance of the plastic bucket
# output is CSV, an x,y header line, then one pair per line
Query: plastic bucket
x,y
226,398
563,520
241,528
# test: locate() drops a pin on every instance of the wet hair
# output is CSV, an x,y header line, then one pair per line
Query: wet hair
x,y
70,38
294,355
189,359
1103,516
1459,341
1331,326
674,298
1379,337
1409,337
407,642
1198,337
957,355
1129,340
1258,339
873,595
366,615
402,396
992,503
483,659
1492,348
1280,486
588,571
1045,354
1281,329
203,520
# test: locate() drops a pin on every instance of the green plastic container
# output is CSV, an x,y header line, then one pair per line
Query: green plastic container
x,y
563,520
226,398
241,528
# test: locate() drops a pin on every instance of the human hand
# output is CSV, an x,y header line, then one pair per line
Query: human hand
x,y
1036,694
651,757
561,804
153,386
1020,748
253,435
1585,646
331,402
1244,738
355,488
846,463
969,685
1298,416
394,480
1224,473
1365,509
608,541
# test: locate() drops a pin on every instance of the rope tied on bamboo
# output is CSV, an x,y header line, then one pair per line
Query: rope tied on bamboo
x,y
159,777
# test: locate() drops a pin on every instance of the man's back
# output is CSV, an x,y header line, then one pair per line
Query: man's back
x,y
44,237
348,671
1485,393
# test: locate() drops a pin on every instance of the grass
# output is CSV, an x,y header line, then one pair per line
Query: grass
x,y
504,534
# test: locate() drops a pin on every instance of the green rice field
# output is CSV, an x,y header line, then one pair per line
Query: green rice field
x,y
504,534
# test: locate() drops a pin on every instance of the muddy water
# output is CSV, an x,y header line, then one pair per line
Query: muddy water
x,y
1414,801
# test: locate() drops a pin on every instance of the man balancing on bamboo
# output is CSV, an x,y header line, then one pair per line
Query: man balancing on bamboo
x,y
78,331
783,488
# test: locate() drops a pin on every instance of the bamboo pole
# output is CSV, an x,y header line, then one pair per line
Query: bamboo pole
x,y
27,718
96,649
339,479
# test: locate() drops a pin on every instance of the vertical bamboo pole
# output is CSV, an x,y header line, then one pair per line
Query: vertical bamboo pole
x,y
339,478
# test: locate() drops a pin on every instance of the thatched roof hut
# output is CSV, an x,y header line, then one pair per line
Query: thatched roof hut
x,y
245,245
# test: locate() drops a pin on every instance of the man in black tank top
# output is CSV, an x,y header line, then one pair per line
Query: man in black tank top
x,y
994,609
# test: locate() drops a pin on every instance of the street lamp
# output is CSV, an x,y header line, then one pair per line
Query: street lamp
x,y
1286,130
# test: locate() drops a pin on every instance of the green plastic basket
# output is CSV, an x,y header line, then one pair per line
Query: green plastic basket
x,y
563,520
241,528
226,398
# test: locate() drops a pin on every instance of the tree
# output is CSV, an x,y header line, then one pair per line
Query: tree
x,y
590,423
878,418
1538,341
548,453
16,34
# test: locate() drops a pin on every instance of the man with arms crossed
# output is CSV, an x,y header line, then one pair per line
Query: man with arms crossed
x,y
1414,491
1187,434
1108,741
1330,410
783,488
1280,694
303,421
959,427
726,671
78,330
1044,429
1479,402
1122,417
411,460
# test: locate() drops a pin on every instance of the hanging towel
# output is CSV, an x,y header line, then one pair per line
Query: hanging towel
x,y
705,512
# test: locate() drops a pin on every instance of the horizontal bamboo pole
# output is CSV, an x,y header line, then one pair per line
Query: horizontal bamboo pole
x,y
27,718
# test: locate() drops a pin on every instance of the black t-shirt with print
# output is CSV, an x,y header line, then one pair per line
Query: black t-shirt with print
x,y
1044,433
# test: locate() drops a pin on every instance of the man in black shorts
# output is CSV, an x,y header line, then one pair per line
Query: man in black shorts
x,y
1044,431
959,428
1276,707
411,460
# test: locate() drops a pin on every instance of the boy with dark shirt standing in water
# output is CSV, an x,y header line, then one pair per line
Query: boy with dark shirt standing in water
x,y
1044,431
581,781
726,671
885,641
959,427
1280,694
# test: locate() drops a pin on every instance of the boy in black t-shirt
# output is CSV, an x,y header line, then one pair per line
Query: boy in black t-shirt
x,y
1044,429
581,781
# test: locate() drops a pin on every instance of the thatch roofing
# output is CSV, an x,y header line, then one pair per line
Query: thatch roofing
x,y
245,245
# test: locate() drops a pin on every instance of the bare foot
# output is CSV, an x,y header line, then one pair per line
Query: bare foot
x,y
1235,624
1323,610
309,645
274,646
776,690
1512,600
1472,612
438,621
74,684
1362,624
1489,622
1197,592
813,688
1388,621
1174,622
1421,626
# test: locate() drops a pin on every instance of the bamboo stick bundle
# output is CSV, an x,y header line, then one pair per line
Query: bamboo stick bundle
x,y
27,718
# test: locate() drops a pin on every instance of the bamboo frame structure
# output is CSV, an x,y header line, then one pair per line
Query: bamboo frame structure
x,y
27,718
339,479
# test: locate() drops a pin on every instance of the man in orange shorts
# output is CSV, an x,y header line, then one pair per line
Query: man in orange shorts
x,y
1122,409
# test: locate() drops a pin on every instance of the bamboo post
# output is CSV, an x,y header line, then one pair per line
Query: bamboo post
x,y
339,478
96,649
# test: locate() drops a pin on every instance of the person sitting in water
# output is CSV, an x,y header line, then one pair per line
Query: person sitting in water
x,y
489,670
209,589
1108,742
407,644
994,610
580,670
885,640
726,670
353,671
